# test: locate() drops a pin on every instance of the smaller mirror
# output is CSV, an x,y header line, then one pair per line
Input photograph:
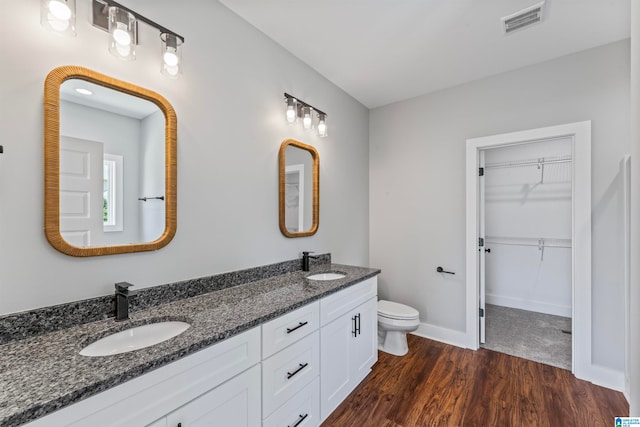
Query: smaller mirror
x,y
299,189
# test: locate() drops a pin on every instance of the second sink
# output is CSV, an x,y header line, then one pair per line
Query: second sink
x,y
326,276
135,338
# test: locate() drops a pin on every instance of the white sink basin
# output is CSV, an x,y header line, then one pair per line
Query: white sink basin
x,y
135,338
326,276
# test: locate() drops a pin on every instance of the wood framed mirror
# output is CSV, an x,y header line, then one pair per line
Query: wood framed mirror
x,y
299,189
110,165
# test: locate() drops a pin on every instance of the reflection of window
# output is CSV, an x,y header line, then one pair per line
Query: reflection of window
x,y
112,193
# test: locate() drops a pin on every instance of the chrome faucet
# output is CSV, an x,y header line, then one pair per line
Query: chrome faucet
x,y
122,300
305,260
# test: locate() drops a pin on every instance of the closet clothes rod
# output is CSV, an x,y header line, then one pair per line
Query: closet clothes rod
x,y
533,162
536,245
546,242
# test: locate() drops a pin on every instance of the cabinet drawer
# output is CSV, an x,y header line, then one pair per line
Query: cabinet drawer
x,y
289,328
303,410
336,305
287,372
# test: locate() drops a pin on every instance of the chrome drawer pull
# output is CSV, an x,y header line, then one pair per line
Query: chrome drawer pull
x,y
300,419
291,374
300,325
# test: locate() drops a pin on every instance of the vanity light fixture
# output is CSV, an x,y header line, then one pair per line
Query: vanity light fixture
x,y
122,25
300,109
59,16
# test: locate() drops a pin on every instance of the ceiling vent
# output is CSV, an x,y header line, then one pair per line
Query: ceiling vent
x,y
523,18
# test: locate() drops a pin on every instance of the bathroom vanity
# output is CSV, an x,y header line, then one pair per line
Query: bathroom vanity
x,y
283,350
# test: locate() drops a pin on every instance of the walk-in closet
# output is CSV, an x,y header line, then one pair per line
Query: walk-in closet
x,y
527,250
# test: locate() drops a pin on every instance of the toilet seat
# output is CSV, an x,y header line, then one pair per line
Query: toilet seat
x,y
394,310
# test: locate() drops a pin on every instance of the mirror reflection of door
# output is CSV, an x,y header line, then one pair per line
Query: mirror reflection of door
x,y
298,189
81,207
130,134
294,194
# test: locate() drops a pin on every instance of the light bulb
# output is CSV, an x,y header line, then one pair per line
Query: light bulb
x,y
170,58
122,42
59,16
171,51
59,25
322,126
306,121
59,10
84,91
291,110
121,35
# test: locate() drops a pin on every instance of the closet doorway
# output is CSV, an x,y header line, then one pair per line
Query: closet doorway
x,y
525,220
518,263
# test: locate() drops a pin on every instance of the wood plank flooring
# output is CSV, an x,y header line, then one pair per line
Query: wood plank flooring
x,y
441,385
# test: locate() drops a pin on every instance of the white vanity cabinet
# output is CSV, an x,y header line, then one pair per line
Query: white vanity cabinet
x,y
348,342
196,386
291,368
291,371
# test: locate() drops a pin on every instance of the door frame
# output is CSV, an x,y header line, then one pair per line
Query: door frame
x,y
580,134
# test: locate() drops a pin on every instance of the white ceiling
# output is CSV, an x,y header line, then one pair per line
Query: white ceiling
x,y
383,51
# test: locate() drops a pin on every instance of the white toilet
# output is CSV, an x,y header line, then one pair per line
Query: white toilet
x,y
394,321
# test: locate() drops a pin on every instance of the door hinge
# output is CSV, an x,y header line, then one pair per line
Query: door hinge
x,y
481,242
480,171
482,312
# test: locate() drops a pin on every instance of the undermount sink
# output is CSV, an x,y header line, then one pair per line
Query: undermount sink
x,y
326,276
135,338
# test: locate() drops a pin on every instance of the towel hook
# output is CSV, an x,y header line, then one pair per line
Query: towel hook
x,y
442,270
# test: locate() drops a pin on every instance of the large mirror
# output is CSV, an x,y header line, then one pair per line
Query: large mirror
x,y
110,165
299,190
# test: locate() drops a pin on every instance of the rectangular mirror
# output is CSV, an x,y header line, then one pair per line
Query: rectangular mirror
x,y
299,190
110,165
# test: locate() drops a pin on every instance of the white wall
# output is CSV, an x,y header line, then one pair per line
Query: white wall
x,y
417,198
634,324
522,205
230,111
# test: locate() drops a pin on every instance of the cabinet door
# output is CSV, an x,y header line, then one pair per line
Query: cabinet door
x,y
364,345
235,403
335,380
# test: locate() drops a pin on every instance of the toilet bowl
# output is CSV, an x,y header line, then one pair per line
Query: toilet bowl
x,y
394,321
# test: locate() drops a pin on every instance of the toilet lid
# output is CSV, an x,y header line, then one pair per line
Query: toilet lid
x,y
394,310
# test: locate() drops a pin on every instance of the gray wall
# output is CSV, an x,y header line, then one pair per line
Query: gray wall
x,y
417,175
230,110
633,373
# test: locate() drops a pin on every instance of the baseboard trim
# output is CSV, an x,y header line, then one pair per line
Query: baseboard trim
x,y
530,305
605,377
444,335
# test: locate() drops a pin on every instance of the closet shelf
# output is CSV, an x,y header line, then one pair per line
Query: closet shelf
x,y
539,162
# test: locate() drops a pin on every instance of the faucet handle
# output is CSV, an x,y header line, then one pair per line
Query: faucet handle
x,y
306,253
123,287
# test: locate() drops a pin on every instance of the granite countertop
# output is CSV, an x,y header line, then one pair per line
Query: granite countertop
x,y
41,374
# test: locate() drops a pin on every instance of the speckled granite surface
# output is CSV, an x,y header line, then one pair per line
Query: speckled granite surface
x,y
50,319
43,373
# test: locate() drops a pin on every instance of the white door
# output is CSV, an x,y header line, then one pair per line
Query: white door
x,y
364,344
81,202
481,246
235,403
335,370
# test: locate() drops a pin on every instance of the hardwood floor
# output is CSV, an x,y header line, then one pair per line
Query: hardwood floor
x,y
437,384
